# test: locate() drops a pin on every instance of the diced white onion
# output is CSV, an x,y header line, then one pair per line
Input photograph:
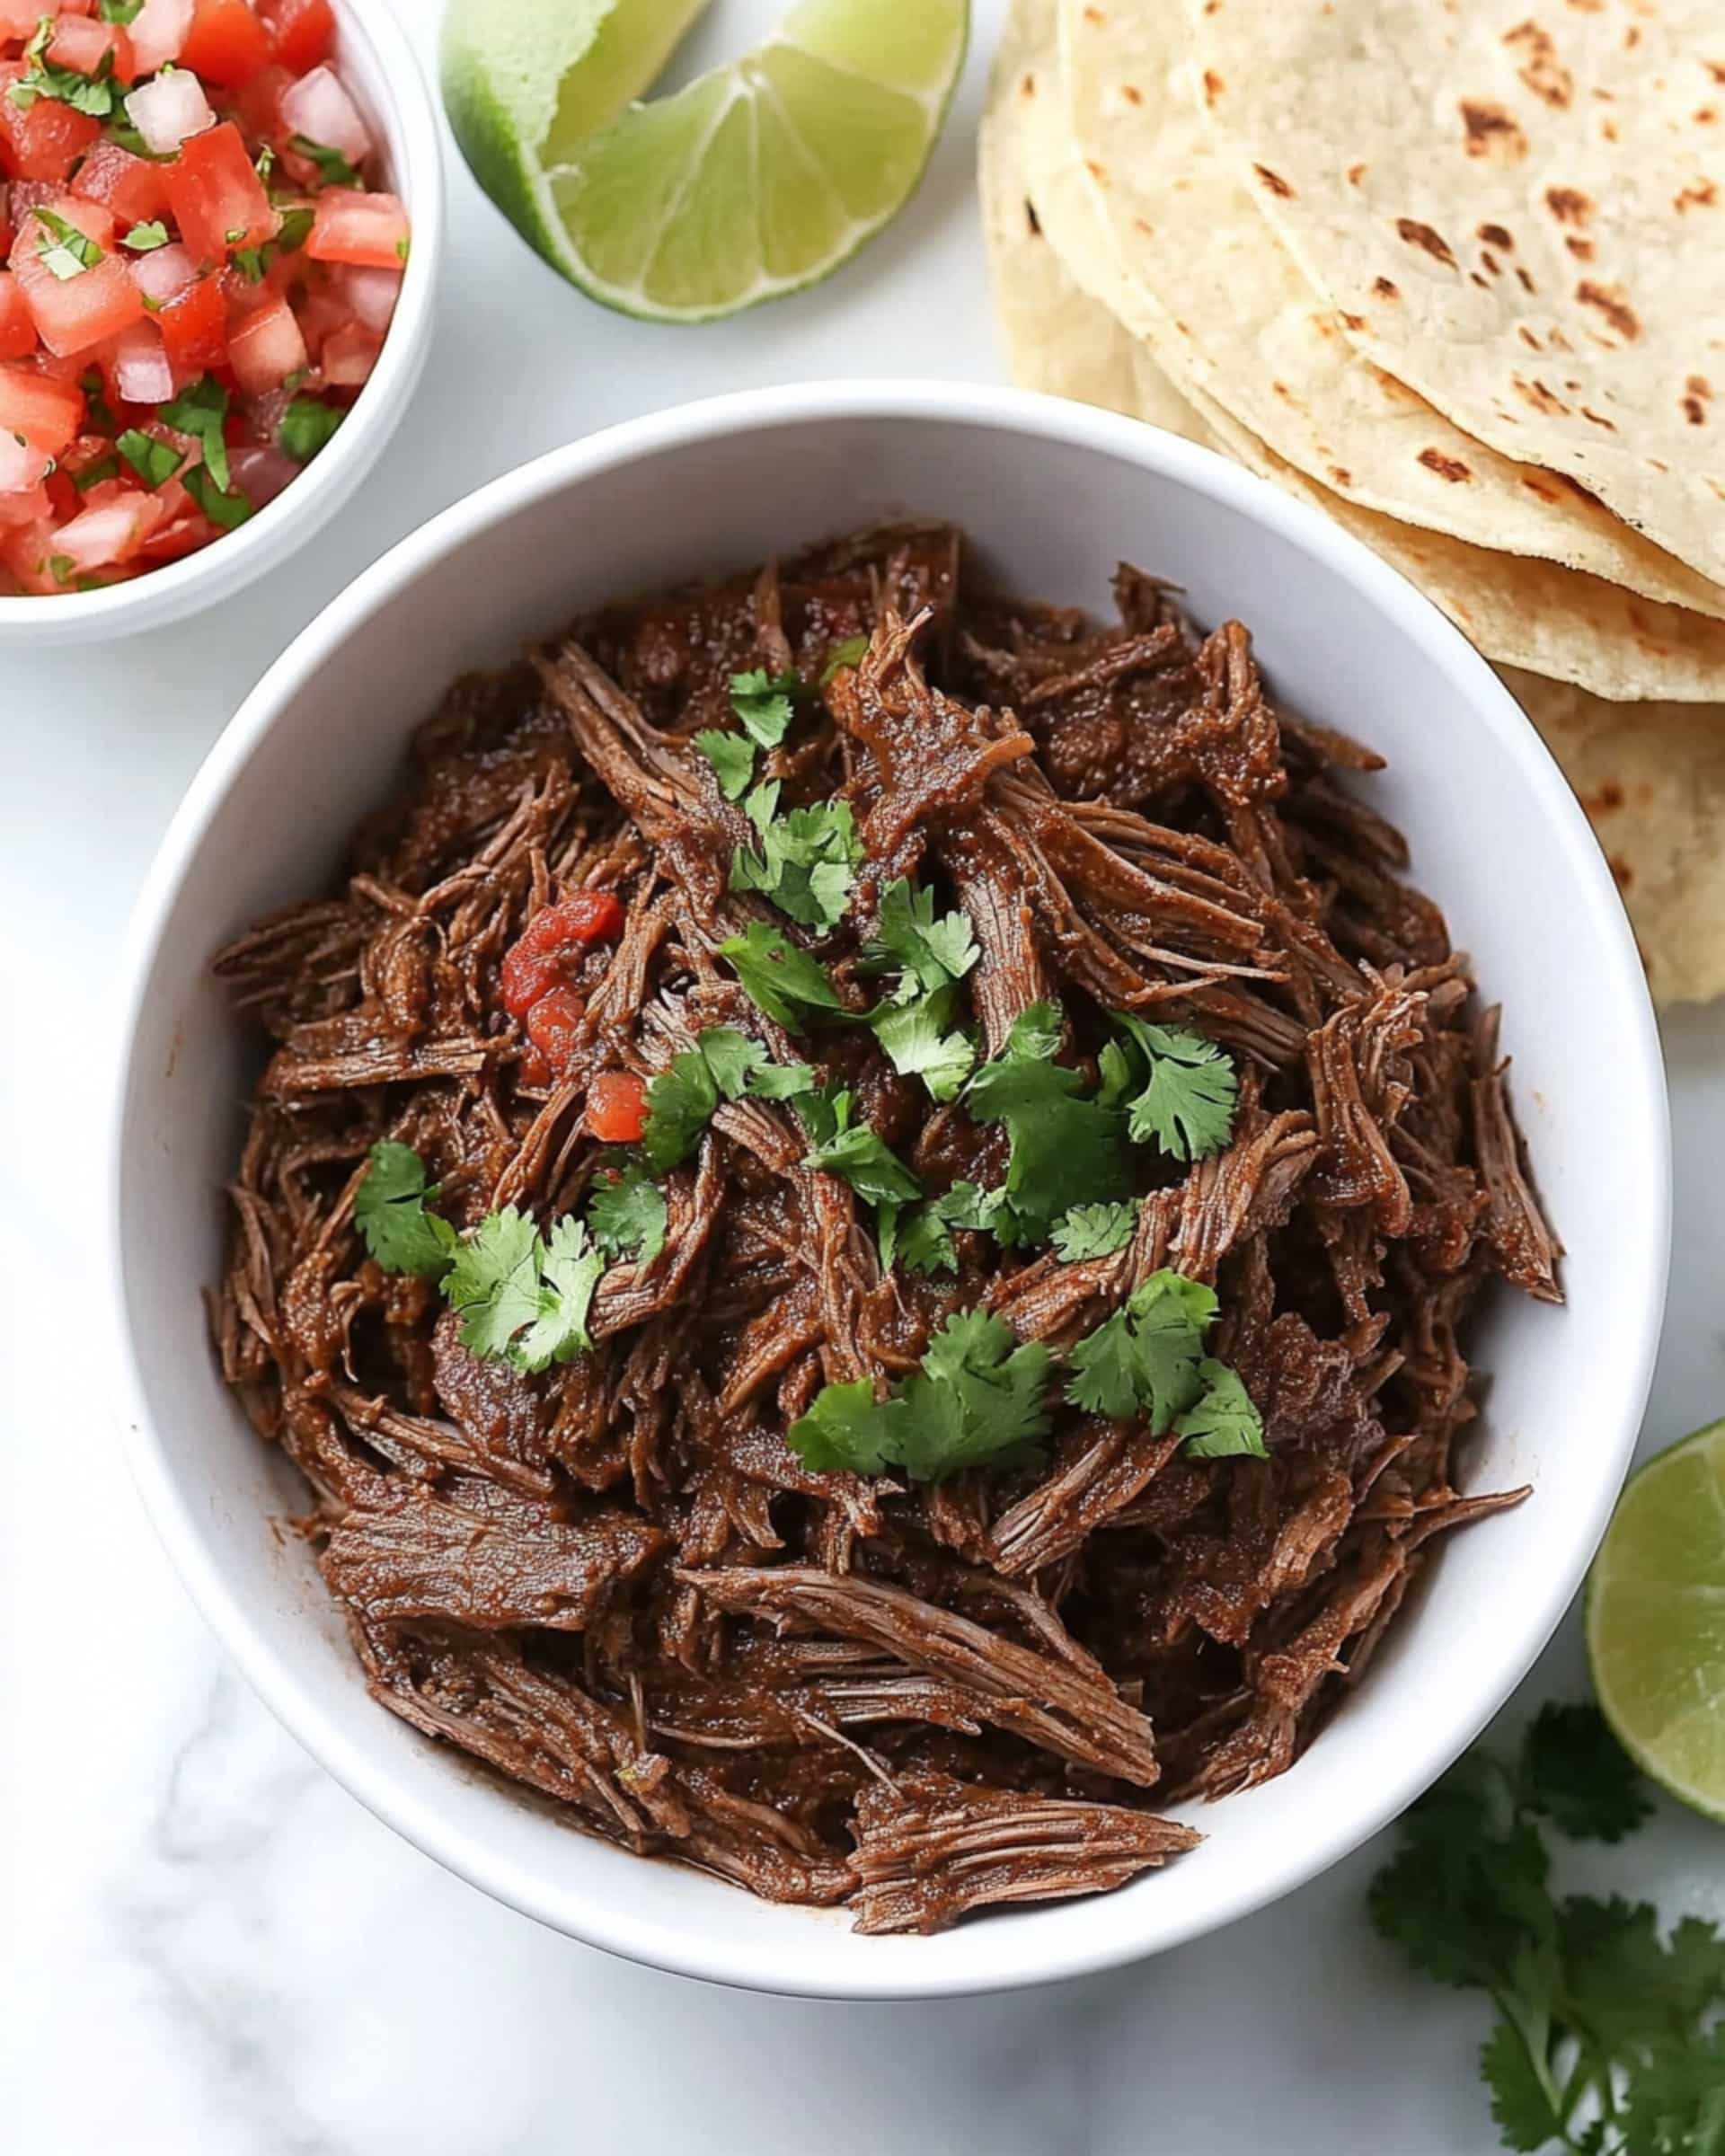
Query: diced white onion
x,y
169,109
319,108
21,467
164,271
158,33
371,293
141,371
98,537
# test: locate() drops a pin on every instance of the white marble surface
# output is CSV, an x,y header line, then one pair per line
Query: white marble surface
x,y
207,1949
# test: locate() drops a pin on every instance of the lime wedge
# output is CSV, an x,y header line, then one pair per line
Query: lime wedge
x,y
1656,1620
760,177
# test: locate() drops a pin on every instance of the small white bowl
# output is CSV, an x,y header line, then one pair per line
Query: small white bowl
x,y
1053,494
381,68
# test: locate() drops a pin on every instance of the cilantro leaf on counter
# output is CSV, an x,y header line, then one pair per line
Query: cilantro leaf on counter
x,y
1186,1105
851,1150
1608,2040
627,1212
779,978
978,1400
1067,1150
1096,1231
390,1210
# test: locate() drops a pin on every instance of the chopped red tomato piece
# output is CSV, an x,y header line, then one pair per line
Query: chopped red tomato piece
x,y
303,31
555,938
44,141
193,324
131,187
84,45
27,551
225,44
96,302
112,528
349,356
47,414
617,1108
351,227
23,504
217,197
260,106
17,324
554,1027
266,348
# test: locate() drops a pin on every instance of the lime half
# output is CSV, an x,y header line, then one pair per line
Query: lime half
x,y
1656,1620
762,176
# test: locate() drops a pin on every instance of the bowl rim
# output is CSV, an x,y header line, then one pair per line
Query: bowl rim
x,y
197,581
611,1924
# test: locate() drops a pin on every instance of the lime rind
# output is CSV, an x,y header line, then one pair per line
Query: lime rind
x,y
760,178
1656,1620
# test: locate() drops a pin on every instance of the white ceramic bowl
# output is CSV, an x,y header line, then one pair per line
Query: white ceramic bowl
x,y
1054,493
380,68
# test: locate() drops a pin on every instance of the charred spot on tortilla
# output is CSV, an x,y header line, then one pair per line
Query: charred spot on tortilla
x,y
1428,239
1274,182
1611,302
1539,66
1451,468
1489,132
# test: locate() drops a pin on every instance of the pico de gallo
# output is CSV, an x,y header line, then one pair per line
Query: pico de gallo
x,y
200,270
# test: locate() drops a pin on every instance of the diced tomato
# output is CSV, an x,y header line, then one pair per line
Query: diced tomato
x,y
194,327
303,30
84,47
111,527
617,1107
552,941
225,44
217,197
73,312
350,226
45,142
20,18
265,347
131,187
554,1027
47,414
260,106
7,234
64,500
349,355
17,324
27,551
24,505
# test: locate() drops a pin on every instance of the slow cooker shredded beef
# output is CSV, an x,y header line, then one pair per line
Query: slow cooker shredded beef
x,y
615,1581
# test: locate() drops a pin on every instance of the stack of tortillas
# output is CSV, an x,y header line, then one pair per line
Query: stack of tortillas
x,y
1456,275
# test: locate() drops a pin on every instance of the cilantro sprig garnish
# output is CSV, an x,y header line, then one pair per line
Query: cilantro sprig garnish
x,y
90,93
1094,1231
61,246
723,1065
1186,1104
392,1211
762,704
915,1025
1608,2040
523,1297
779,978
627,1213
920,1237
1147,1359
145,237
154,462
1066,1149
200,410
851,1150
978,1400
333,167
805,860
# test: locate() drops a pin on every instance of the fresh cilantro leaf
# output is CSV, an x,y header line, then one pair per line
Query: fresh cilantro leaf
x,y
806,862
1674,2103
1187,1104
144,238
781,1080
920,1237
978,1401
627,1213
732,758
223,508
1521,2104
1579,1777
390,1212
782,980
60,567
1224,1424
332,166
1065,1150
907,935
493,1285
200,410
295,228
61,246
842,656
724,1063
732,1057
253,262
762,704
120,10
306,426
853,1151
569,1272
1096,1231
90,93
155,462
1146,1358
916,1042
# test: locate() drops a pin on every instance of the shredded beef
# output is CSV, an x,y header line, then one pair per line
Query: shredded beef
x,y
614,1582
